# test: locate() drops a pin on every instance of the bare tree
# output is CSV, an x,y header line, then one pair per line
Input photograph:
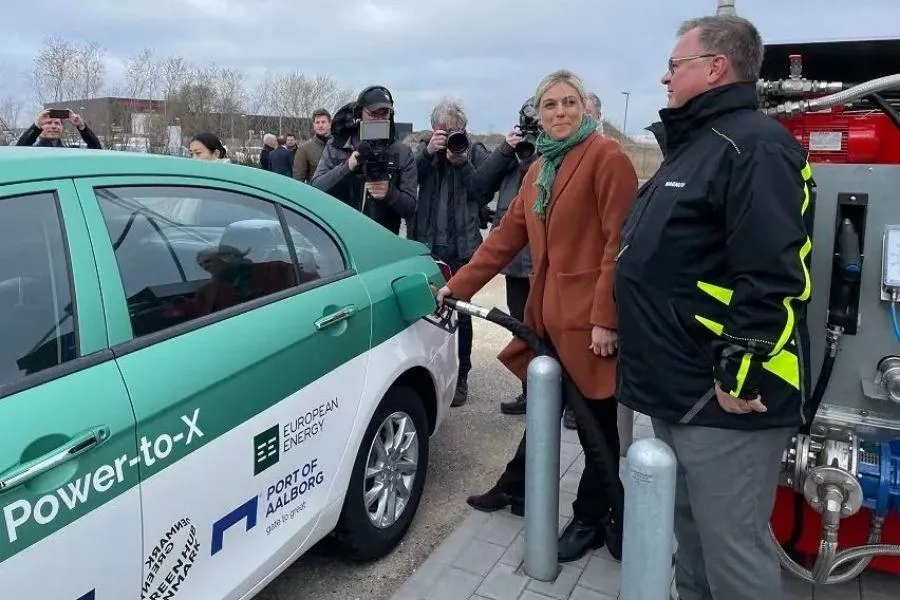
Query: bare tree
x,y
294,96
89,70
52,69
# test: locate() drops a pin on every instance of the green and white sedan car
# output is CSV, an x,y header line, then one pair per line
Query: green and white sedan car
x,y
205,369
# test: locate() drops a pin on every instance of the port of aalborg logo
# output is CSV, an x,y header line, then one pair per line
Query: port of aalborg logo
x,y
265,449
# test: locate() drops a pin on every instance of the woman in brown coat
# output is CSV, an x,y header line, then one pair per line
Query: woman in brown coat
x,y
569,209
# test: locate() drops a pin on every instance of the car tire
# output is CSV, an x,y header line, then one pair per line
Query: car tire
x,y
357,534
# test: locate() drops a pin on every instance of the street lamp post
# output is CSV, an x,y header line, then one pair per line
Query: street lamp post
x,y
625,119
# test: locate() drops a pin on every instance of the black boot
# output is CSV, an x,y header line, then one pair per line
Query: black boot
x,y
496,499
462,391
514,407
579,538
612,530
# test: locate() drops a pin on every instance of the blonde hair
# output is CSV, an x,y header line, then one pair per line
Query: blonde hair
x,y
557,77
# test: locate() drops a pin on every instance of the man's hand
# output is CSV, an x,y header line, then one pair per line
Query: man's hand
x,y
514,137
457,159
76,120
41,119
437,142
737,406
603,341
377,189
353,161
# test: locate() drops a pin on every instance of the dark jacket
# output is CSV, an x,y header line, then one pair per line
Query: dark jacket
x,y
712,275
503,172
32,135
307,158
265,158
282,159
333,176
433,171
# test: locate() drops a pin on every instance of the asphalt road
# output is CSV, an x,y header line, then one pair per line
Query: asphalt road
x,y
467,454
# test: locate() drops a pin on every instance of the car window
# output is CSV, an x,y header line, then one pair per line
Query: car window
x,y
185,252
37,320
317,254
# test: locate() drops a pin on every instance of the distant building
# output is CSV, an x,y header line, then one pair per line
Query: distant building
x,y
124,119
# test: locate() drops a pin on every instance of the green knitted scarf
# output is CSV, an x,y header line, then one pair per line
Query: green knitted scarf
x,y
553,152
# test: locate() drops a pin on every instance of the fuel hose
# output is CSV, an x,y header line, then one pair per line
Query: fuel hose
x,y
596,448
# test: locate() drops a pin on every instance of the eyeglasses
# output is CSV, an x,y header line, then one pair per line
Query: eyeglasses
x,y
673,62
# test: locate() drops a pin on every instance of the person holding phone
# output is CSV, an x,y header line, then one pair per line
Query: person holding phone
x,y
48,127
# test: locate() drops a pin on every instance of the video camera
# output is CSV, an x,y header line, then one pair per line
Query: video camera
x,y
530,126
374,147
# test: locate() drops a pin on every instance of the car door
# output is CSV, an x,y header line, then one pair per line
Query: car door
x,y
245,355
69,495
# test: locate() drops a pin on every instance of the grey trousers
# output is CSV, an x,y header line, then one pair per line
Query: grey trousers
x,y
724,495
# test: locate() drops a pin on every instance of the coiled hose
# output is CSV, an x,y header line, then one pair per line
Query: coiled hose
x,y
597,450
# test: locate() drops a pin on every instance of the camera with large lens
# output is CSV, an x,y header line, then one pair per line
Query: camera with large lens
x,y
530,128
457,142
374,147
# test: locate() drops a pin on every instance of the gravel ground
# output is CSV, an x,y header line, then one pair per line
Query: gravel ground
x,y
468,453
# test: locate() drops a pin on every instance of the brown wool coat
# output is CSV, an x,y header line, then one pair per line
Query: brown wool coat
x,y
573,252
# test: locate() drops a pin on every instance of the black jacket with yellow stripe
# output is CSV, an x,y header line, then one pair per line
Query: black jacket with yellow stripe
x,y
712,277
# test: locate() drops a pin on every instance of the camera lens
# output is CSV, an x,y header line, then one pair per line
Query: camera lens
x,y
457,142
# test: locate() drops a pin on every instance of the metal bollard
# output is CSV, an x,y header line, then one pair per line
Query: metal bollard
x,y
542,439
648,521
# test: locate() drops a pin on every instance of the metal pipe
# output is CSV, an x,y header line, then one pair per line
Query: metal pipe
x,y
791,109
542,441
649,521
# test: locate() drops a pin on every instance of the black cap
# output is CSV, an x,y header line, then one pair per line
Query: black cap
x,y
375,98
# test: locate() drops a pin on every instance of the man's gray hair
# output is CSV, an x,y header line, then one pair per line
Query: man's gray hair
x,y
595,99
269,137
449,112
734,37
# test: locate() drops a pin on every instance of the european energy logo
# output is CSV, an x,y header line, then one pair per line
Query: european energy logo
x,y
265,450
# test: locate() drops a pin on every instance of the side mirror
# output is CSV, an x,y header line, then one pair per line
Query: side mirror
x,y
415,297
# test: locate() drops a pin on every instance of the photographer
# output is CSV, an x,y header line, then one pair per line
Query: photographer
x,y
48,127
447,219
503,172
364,165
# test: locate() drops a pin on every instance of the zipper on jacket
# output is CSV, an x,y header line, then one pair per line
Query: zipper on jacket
x,y
621,252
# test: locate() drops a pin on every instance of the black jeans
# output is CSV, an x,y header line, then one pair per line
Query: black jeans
x,y
465,327
517,289
591,503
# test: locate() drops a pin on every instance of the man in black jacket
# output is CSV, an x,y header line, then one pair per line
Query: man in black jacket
x,y
47,132
340,171
503,172
712,284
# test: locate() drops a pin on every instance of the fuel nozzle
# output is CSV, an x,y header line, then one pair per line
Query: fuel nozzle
x,y
851,255
842,313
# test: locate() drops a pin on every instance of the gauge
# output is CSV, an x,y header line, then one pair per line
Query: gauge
x,y
890,276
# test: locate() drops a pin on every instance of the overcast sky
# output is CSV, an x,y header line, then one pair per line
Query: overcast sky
x,y
488,53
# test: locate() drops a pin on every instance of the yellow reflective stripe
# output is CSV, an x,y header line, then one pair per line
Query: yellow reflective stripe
x,y
804,295
786,366
718,292
806,173
716,328
741,375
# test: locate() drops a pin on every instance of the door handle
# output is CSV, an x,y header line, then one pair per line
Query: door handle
x,y
335,317
79,445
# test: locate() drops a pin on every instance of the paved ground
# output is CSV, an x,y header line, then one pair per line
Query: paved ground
x,y
467,454
482,559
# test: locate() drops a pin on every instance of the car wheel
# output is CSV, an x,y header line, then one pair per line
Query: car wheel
x,y
388,478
